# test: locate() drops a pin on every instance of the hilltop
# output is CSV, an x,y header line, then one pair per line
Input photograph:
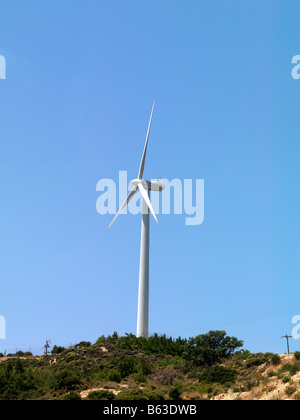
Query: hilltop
x,y
210,366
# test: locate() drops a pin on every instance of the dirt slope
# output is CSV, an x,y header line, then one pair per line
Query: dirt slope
x,y
274,388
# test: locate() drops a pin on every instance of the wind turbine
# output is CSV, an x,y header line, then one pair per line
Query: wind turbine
x,y
144,186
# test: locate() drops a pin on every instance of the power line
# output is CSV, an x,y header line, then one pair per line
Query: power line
x,y
32,346
238,321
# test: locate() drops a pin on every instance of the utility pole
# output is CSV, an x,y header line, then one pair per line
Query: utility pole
x,y
287,341
47,346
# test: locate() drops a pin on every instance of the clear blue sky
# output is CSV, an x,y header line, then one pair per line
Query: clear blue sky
x,y
81,79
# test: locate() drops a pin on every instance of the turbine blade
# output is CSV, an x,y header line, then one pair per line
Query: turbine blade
x,y
142,165
145,195
129,197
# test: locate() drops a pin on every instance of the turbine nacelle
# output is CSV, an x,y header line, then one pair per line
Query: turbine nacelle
x,y
153,185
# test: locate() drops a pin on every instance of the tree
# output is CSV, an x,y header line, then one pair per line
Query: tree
x,y
64,380
127,365
210,348
84,344
57,349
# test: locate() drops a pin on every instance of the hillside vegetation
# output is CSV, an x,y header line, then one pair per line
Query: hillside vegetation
x,y
208,366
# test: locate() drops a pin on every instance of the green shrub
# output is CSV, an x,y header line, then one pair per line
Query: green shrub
x,y
192,374
227,386
290,390
218,374
127,365
217,391
130,395
144,366
250,385
174,393
285,368
286,379
210,390
257,359
297,355
275,359
64,380
295,368
72,396
114,375
291,369
155,396
271,374
140,377
101,395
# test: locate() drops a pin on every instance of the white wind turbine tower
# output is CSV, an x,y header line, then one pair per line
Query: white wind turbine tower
x,y
144,187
